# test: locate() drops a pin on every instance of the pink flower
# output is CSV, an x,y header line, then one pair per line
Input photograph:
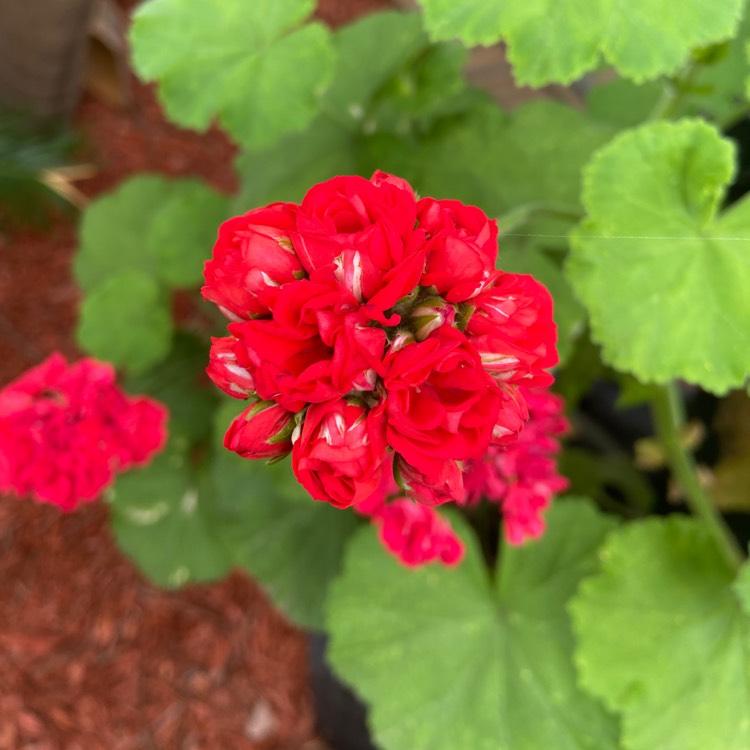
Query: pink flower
x,y
522,477
66,430
417,535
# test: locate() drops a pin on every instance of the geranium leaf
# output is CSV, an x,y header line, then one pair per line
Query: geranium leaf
x,y
291,543
162,516
160,226
500,161
666,280
285,171
664,640
126,320
478,666
249,63
641,39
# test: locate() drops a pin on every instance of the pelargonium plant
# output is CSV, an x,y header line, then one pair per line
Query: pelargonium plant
x,y
371,336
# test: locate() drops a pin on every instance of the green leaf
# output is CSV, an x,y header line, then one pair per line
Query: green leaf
x,y
663,638
623,103
160,226
500,161
364,63
291,543
717,89
560,40
286,171
665,279
179,383
162,516
126,320
477,666
570,316
250,64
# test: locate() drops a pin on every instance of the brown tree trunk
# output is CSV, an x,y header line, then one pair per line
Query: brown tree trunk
x,y
43,47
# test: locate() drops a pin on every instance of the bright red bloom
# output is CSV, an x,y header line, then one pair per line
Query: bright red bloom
x,y
362,232
523,477
379,322
513,331
65,430
263,430
443,482
340,453
441,404
461,248
226,371
253,256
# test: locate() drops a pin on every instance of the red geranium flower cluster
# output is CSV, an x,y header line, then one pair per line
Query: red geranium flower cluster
x,y
65,430
371,330
523,477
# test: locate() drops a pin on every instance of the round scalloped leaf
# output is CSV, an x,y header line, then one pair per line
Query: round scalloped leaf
x,y
665,279
478,665
126,320
163,517
161,226
557,41
291,543
663,638
249,63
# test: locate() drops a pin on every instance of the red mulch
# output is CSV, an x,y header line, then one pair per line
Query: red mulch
x,y
92,656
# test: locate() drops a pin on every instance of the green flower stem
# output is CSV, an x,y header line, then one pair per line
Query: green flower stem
x,y
669,416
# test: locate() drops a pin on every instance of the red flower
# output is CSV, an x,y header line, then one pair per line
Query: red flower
x,y
513,331
440,403
461,249
340,453
251,259
65,430
226,371
443,482
362,233
263,430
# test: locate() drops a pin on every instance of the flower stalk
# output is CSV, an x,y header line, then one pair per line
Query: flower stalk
x,y
669,418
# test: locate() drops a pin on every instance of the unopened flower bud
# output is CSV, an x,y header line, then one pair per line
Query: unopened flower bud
x,y
400,340
429,315
226,372
263,430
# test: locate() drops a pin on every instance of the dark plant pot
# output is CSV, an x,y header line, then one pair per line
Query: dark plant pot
x,y
341,716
